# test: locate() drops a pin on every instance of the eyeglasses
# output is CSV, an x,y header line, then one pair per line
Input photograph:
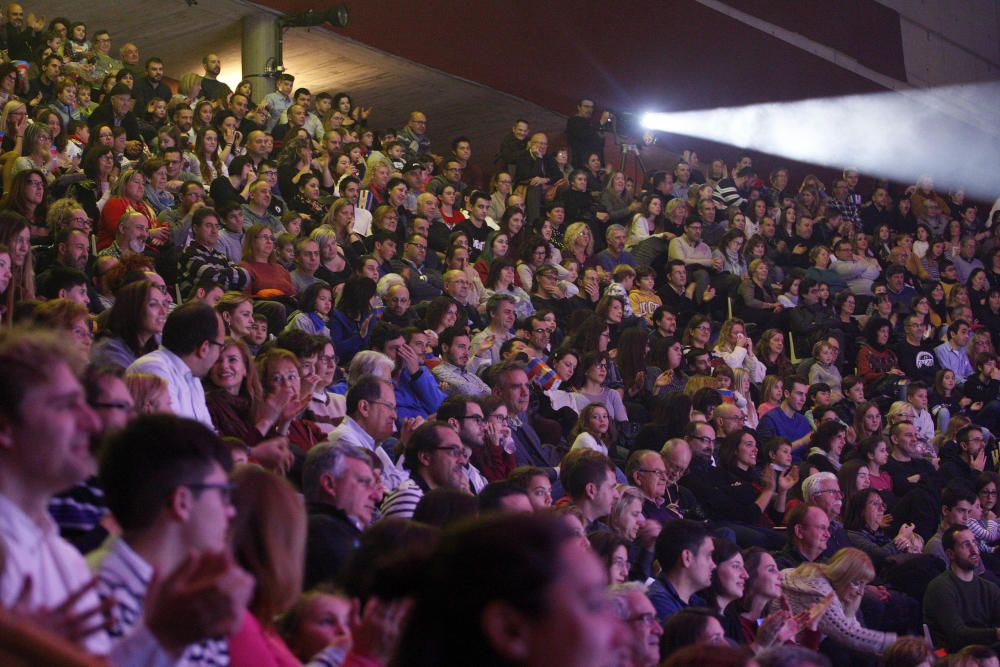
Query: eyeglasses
x,y
703,438
225,489
476,418
500,419
210,342
456,452
645,619
834,492
391,406
662,474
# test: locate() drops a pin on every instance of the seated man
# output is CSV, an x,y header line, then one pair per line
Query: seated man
x,y
341,495
589,479
684,551
452,372
417,391
201,260
960,607
808,529
434,458
166,483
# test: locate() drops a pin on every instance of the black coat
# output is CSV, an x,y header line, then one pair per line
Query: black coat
x,y
331,539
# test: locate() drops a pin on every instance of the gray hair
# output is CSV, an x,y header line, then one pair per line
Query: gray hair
x,y
328,458
813,481
619,594
369,362
386,282
611,230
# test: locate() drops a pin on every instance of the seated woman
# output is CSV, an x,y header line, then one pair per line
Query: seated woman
x,y
314,310
737,495
547,295
335,259
845,575
728,585
665,373
863,521
770,351
759,604
282,377
592,375
268,278
497,246
502,279
736,349
757,301
646,222
627,521
827,445
133,326
536,252
352,317
612,549
877,363
240,409
128,193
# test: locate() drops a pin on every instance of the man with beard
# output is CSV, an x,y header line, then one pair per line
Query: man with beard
x,y
211,87
960,607
455,355
130,236
434,456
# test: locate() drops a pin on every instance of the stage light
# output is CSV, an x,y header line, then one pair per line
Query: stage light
x,y
902,136
337,16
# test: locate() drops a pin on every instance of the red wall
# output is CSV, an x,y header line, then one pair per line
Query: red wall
x,y
657,55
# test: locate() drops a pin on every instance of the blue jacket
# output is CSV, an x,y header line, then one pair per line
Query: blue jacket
x,y
419,396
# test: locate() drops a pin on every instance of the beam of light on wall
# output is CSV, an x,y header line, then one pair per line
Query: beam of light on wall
x,y
893,135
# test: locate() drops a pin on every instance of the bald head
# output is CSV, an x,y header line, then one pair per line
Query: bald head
x,y
727,418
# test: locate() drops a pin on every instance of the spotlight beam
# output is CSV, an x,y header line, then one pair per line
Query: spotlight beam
x,y
888,134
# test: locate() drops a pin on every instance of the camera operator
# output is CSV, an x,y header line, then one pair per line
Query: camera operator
x,y
583,136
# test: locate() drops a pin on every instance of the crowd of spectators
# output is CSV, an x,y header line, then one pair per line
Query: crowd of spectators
x,y
281,388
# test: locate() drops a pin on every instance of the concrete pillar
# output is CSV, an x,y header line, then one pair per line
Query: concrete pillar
x,y
260,45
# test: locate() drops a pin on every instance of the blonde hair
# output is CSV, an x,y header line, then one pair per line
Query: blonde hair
x,y
144,387
573,231
696,382
626,495
845,567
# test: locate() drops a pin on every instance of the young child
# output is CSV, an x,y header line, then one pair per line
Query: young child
x,y
916,396
986,531
642,299
258,333
622,281
568,283
824,370
314,310
84,103
78,48
285,249
78,134
318,623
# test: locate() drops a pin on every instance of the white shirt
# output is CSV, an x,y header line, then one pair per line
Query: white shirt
x,y
362,221
350,433
187,396
57,570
